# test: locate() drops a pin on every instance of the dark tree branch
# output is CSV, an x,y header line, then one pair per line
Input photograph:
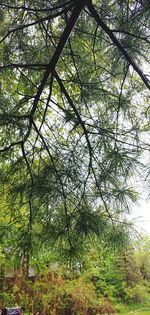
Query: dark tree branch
x,y
124,52
60,181
80,121
27,162
10,117
10,146
33,66
131,34
46,18
51,67
119,102
33,9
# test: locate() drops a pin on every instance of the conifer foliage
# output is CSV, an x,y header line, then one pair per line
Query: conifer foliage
x,y
74,120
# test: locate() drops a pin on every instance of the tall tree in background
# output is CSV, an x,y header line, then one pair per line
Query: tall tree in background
x,y
74,119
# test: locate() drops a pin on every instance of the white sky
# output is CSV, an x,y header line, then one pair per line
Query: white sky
x,y
141,216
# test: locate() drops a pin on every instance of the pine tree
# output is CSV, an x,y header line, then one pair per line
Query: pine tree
x,y
74,116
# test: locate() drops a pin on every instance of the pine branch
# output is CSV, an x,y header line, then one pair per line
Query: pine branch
x,y
124,52
46,18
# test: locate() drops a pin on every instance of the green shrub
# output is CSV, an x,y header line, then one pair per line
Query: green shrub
x,y
138,294
7,298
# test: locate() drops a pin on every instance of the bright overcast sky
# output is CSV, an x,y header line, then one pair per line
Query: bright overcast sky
x,y
141,216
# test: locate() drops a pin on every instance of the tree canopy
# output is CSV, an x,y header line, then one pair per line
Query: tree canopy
x,y
74,120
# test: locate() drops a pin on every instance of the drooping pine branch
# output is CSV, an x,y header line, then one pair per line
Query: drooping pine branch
x,y
116,42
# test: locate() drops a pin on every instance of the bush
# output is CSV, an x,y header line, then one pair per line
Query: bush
x,y
7,298
52,294
138,294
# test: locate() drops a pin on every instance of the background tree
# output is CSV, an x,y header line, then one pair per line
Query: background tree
x,y
143,255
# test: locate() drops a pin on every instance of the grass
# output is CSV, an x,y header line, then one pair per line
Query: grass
x,y
135,309
138,312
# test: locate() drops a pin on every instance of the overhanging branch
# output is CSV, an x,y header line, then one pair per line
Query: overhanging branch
x,y
124,52
51,67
